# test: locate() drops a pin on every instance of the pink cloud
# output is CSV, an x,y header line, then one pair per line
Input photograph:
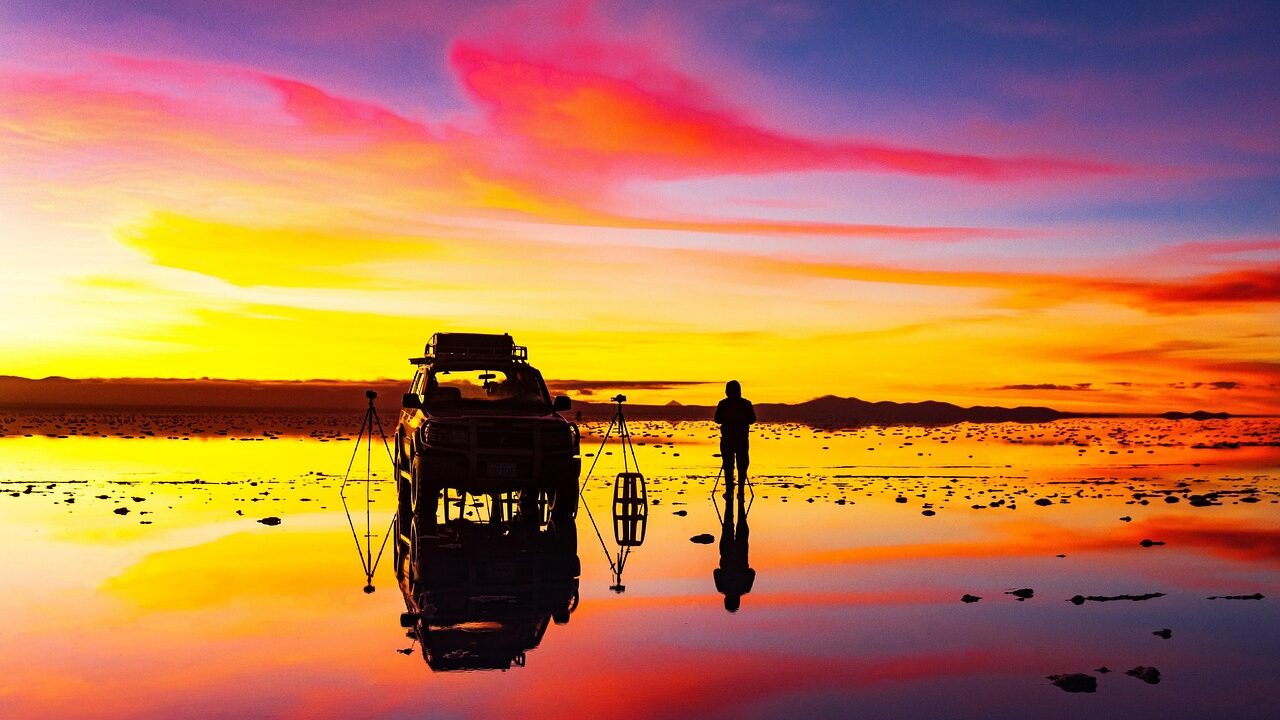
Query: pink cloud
x,y
646,120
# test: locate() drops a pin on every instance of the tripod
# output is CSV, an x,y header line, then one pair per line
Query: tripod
x,y
368,561
630,498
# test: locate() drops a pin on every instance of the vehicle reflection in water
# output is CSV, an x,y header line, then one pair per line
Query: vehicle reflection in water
x,y
479,594
734,577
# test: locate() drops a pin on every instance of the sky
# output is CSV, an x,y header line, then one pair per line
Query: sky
x,y
1075,205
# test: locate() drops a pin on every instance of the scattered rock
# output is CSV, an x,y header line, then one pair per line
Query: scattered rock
x,y
967,598
1075,682
1022,593
270,520
928,513
1146,674
1255,596
1148,542
1165,633
1080,599
121,511
1043,502
680,513
1103,670
703,539
1126,518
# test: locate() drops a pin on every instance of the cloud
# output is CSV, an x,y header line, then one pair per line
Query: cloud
x,y
1236,287
591,387
1046,386
1216,385
266,256
1192,295
645,120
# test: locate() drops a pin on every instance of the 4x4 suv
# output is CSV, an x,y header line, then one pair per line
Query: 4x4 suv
x,y
478,418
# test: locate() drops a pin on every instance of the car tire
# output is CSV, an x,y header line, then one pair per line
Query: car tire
x,y
565,503
427,500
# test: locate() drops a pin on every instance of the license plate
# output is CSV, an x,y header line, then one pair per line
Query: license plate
x,y
502,469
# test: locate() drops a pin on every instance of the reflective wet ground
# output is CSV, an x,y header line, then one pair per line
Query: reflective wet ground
x,y
141,581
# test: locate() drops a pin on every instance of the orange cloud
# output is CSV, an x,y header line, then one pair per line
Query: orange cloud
x,y
1238,286
599,122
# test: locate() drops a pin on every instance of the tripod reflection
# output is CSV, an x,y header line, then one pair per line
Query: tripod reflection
x,y
479,595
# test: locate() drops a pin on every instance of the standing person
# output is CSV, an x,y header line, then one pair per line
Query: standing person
x,y
735,416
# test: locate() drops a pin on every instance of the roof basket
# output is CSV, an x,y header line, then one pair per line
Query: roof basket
x,y
472,346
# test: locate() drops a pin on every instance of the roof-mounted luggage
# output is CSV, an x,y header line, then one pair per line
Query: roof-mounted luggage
x,y
472,346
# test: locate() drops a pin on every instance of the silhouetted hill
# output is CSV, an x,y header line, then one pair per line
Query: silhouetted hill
x,y
59,393
1197,415
831,409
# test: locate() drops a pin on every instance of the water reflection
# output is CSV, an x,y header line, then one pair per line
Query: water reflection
x,y
480,594
735,576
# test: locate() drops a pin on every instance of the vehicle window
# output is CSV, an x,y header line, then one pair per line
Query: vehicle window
x,y
513,385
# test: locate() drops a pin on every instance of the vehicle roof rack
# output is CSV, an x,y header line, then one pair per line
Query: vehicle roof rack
x,y
471,346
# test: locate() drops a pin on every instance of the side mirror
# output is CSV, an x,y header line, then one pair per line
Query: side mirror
x,y
411,400
562,402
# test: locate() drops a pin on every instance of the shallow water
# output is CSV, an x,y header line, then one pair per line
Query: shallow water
x,y
187,606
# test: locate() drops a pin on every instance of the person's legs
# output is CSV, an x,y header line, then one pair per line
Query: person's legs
x,y
744,459
726,459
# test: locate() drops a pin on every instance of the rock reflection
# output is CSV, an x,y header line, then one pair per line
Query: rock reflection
x,y
479,595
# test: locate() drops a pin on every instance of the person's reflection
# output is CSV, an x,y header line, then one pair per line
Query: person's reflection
x,y
735,576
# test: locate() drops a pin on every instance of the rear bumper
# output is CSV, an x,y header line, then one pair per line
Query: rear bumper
x,y
483,472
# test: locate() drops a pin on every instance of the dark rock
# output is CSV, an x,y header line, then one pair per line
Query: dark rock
x,y
270,520
1148,542
928,513
1103,670
1255,596
967,598
1126,518
1075,682
1022,593
121,511
1080,599
1165,633
1044,501
680,513
1146,674
703,539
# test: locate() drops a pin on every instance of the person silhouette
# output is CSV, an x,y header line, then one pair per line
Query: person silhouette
x,y
735,416
735,576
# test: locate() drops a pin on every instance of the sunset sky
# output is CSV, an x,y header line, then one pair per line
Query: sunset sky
x,y
967,203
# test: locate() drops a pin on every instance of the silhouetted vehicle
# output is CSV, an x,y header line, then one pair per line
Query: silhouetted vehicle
x,y
478,419
479,595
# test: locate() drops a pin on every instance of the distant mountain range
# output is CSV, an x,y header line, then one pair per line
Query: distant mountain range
x,y
58,393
